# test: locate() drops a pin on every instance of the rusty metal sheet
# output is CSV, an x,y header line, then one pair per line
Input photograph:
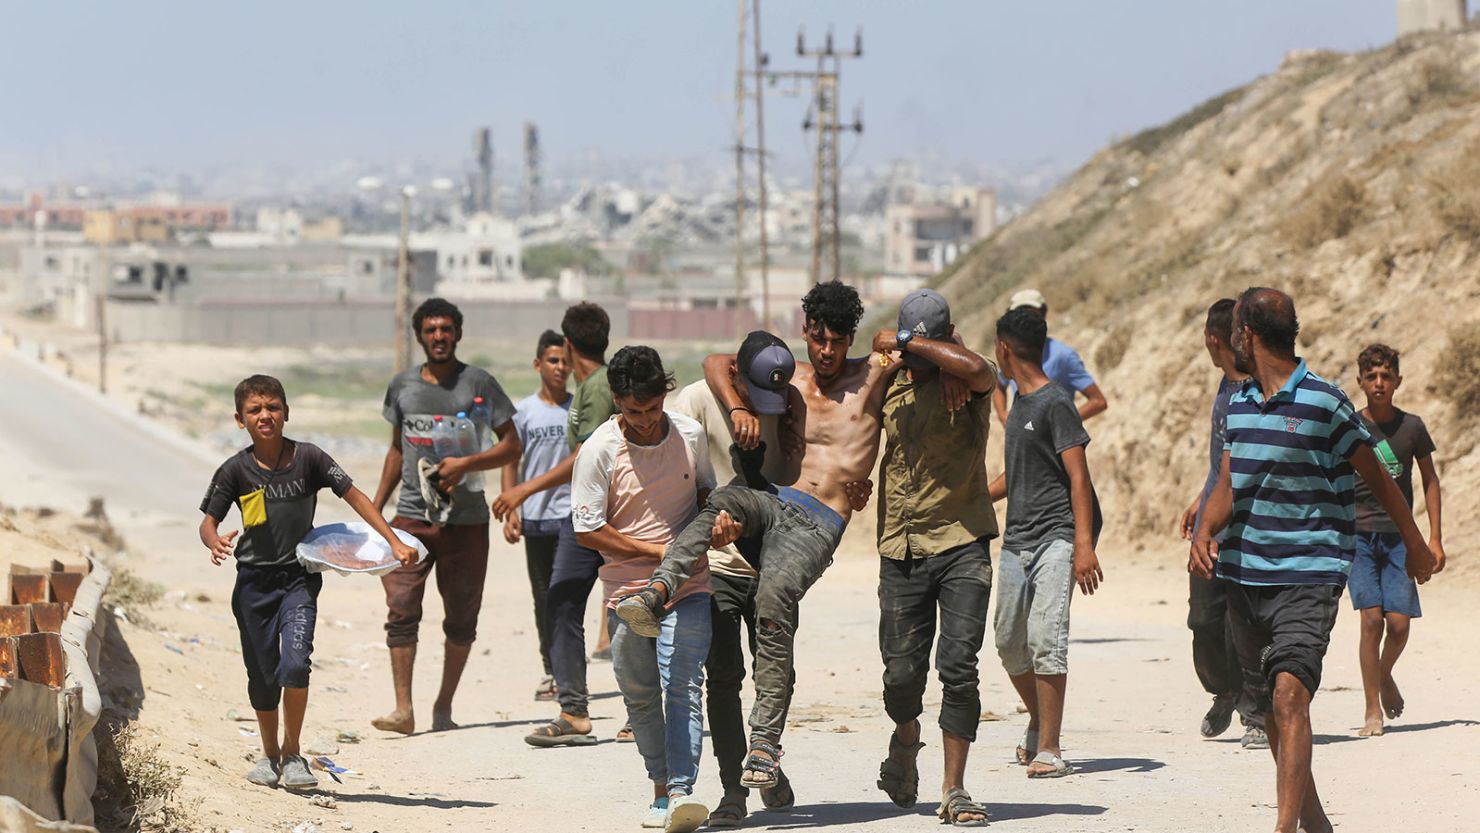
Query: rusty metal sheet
x,y
27,588
15,620
8,666
64,585
41,659
48,618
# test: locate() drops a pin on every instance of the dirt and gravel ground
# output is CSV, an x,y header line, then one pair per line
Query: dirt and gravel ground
x,y
1131,725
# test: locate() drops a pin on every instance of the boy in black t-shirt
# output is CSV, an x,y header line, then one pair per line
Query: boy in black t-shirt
x,y
1380,587
275,484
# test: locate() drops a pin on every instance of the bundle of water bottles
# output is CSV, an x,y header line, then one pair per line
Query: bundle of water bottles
x,y
464,435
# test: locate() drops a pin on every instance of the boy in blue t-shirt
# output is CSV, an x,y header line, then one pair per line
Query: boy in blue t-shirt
x,y
1380,586
541,419
274,482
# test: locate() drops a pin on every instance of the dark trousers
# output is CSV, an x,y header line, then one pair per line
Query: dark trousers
x,y
539,561
795,550
1214,656
571,578
276,609
732,609
956,587
1283,629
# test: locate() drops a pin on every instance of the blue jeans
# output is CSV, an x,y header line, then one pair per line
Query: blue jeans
x,y
1379,576
1034,587
662,683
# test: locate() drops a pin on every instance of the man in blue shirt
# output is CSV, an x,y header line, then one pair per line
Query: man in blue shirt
x,y
1060,364
1213,655
1285,498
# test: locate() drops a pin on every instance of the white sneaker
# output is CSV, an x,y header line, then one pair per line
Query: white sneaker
x,y
656,814
685,814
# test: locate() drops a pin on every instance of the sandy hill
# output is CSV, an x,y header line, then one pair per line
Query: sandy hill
x,y
1350,181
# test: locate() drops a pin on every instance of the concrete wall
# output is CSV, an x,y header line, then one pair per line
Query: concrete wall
x,y
1426,15
331,323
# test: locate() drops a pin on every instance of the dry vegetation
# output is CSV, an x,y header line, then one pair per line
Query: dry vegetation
x,y
1351,181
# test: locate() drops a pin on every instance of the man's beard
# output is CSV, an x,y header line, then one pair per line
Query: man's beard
x,y
1242,363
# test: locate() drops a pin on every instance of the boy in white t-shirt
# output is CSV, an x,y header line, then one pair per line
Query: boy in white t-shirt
x,y
639,480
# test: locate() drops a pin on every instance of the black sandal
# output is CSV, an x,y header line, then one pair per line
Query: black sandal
x,y
781,796
761,771
900,779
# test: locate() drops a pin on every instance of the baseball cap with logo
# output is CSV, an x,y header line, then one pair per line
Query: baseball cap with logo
x,y
1027,298
766,366
925,313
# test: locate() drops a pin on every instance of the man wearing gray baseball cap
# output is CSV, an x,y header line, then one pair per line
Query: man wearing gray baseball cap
x,y
1061,363
935,525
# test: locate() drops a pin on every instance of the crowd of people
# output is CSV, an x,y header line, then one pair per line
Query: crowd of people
x,y
708,512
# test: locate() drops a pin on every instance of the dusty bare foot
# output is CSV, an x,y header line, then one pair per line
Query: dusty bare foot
x,y
397,721
1372,727
1392,699
442,720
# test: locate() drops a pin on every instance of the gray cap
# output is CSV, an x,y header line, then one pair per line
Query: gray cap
x,y
766,367
925,313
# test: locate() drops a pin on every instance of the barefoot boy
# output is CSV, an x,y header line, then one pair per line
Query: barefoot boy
x,y
275,483
1380,586
1049,545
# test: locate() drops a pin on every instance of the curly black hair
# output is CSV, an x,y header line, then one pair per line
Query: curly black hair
x,y
834,305
637,371
1378,355
436,308
548,339
259,385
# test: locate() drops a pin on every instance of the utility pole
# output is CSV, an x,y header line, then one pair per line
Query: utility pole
x,y
531,169
403,286
100,311
823,118
750,84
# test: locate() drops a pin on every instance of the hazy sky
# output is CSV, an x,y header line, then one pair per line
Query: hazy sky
x,y
182,86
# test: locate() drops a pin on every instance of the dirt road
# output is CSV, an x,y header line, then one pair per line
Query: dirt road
x,y
1134,704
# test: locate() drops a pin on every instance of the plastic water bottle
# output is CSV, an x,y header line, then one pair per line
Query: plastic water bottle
x,y
444,439
482,417
468,445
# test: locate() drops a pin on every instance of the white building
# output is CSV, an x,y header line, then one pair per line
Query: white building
x,y
922,238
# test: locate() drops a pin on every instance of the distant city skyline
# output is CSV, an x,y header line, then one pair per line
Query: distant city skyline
x,y
188,88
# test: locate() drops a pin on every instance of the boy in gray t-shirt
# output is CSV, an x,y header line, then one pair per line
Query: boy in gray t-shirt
x,y
1053,520
1381,590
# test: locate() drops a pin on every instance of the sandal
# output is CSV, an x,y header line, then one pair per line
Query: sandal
x,y
761,771
900,781
1027,749
626,735
958,802
559,732
1060,766
730,812
781,796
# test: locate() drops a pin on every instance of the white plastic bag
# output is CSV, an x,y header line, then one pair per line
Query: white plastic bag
x,y
353,548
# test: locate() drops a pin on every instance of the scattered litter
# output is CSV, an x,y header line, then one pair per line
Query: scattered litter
x,y
247,733
325,801
345,825
323,763
233,714
176,648
991,717
347,736
322,746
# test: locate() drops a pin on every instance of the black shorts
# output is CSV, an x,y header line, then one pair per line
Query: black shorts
x,y
1283,628
276,609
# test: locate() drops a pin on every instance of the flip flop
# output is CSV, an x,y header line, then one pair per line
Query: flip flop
x,y
1060,766
958,801
901,781
559,732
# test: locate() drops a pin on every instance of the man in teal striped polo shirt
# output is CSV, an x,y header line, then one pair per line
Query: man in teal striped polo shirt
x,y
1285,496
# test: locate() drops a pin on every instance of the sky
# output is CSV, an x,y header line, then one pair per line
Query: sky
x,y
187,86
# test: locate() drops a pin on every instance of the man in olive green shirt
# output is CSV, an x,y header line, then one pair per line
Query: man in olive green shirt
x,y
935,523
587,330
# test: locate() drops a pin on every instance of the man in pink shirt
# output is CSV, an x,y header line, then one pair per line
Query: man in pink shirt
x,y
639,480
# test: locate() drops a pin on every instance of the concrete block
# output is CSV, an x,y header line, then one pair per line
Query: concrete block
x,y
64,585
48,618
15,620
41,659
27,588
